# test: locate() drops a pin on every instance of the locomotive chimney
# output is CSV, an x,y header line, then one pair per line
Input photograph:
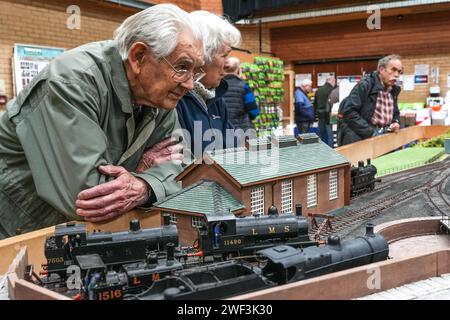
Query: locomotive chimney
x,y
360,164
369,230
166,219
135,225
170,247
298,210
152,260
273,211
334,240
368,161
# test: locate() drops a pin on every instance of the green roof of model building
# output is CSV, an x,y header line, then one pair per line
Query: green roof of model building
x,y
247,166
205,197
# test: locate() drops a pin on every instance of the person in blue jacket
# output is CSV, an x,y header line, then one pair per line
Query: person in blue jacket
x,y
304,110
202,111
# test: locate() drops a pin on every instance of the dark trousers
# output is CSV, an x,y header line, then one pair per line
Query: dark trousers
x,y
326,132
303,127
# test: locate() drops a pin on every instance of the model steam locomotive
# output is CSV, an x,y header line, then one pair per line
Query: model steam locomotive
x,y
114,248
286,264
363,178
225,234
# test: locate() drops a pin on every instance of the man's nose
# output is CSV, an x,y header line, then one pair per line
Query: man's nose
x,y
188,84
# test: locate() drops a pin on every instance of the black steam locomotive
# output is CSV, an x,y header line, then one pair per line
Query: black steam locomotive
x,y
286,264
225,234
114,248
363,178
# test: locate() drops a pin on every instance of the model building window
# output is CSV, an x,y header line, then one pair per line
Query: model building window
x,y
196,222
333,184
286,196
173,218
312,191
257,200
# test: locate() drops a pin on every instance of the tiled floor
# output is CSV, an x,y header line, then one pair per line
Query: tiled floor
x,y
436,288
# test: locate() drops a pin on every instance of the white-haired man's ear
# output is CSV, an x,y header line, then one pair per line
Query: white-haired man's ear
x,y
136,56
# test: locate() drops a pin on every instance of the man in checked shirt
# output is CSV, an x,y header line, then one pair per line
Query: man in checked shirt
x,y
371,108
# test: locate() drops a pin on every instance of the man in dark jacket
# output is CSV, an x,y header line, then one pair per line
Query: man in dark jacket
x,y
197,116
239,98
202,112
371,108
323,108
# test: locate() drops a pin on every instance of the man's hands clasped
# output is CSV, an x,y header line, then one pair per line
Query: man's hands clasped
x,y
111,199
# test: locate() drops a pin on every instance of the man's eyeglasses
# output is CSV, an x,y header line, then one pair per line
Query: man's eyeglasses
x,y
183,75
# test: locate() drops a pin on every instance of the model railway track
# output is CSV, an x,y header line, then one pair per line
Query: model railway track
x,y
405,175
437,198
373,209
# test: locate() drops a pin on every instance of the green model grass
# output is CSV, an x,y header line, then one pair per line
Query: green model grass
x,y
406,159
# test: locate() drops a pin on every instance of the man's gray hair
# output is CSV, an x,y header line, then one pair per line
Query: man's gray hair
x,y
383,62
216,32
158,26
306,82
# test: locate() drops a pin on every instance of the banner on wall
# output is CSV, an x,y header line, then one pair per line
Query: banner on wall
x,y
355,78
300,77
421,72
28,61
322,77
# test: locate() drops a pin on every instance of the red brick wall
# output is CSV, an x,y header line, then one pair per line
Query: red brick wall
x,y
214,6
44,23
29,22
188,5
250,38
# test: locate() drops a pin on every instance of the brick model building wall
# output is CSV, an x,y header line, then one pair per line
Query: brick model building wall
x,y
209,172
299,195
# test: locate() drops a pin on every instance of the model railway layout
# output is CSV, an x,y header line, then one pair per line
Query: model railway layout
x,y
105,273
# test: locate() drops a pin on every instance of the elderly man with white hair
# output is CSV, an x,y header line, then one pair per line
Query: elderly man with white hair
x,y
303,108
73,139
202,112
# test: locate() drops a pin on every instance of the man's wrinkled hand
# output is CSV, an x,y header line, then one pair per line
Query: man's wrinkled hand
x,y
164,151
394,127
111,199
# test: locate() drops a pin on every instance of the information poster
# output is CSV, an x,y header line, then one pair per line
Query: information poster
x,y
408,82
322,78
421,72
345,87
28,61
351,79
300,77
